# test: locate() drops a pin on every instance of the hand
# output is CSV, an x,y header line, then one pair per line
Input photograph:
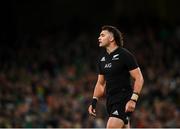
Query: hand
x,y
130,106
92,111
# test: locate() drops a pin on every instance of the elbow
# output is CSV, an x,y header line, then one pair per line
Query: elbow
x,y
142,80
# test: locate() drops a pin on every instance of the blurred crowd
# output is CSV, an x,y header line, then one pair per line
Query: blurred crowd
x,y
48,80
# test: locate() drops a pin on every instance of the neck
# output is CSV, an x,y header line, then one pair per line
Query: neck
x,y
111,48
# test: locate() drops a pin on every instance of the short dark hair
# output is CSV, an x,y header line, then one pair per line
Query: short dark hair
x,y
116,33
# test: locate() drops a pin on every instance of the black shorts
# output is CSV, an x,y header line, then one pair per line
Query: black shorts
x,y
118,110
116,104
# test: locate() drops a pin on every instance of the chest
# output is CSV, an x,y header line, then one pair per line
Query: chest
x,y
111,64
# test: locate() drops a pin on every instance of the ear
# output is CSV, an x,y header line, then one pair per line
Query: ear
x,y
111,37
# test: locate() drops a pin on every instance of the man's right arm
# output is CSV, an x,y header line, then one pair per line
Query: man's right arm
x,y
100,87
98,92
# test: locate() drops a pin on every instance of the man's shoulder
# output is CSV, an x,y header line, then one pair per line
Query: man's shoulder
x,y
125,51
102,55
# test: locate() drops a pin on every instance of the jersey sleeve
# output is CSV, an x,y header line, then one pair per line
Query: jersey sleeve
x,y
99,70
130,61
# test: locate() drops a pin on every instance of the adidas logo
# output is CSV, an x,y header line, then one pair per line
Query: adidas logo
x,y
103,59
127,118
115,113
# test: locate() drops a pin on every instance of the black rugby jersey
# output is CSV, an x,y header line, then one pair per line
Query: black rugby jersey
x,y
115,67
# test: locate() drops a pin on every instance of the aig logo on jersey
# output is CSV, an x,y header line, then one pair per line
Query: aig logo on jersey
x,y
108,65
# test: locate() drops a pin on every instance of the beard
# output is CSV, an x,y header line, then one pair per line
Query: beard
x,y
103,44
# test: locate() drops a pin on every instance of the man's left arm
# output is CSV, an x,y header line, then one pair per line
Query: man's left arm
x,y
138,80
138,84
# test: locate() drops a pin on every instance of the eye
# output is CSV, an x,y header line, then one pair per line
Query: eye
x,y
102,35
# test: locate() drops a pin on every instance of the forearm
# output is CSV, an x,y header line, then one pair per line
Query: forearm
x,y
138,84
99,90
